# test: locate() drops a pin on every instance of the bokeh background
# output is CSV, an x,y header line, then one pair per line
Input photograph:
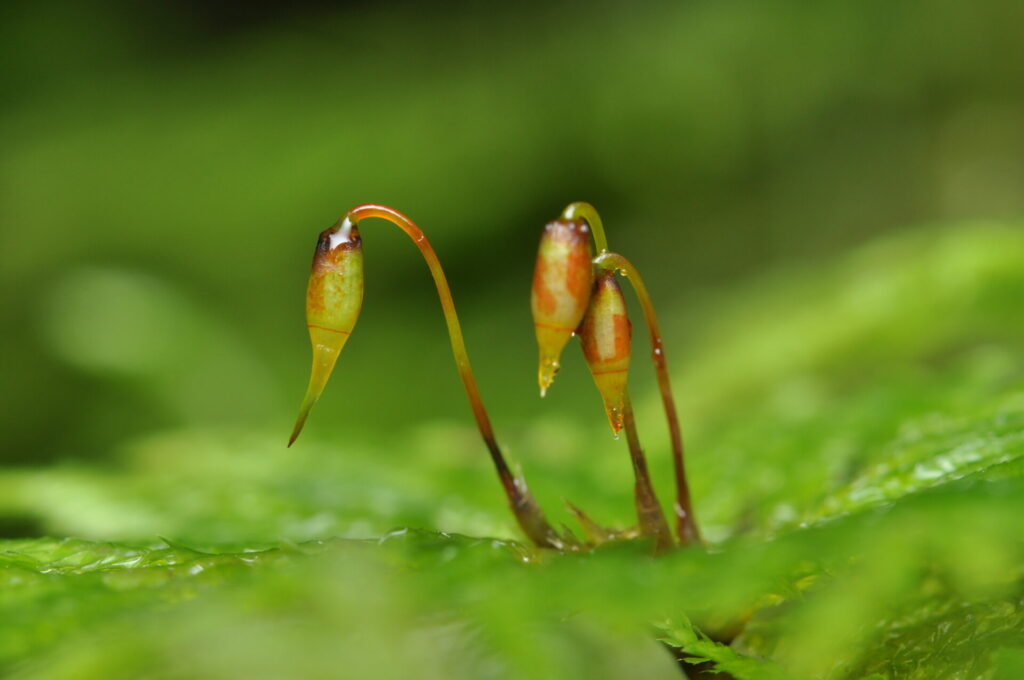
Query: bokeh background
x,y
165,168
824,198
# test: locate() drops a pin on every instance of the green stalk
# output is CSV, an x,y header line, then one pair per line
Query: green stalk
x,y
581,210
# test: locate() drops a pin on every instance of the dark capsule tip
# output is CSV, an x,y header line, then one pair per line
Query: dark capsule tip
x,y
323,243
334,241
606,280
337,237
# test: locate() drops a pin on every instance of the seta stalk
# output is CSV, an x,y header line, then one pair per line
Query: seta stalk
x,y
525,508
686,525
648,509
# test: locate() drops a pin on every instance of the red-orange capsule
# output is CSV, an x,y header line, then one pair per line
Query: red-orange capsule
x,y
333,300
561,288
605,334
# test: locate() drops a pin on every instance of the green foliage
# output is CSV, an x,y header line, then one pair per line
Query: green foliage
x,y
858,455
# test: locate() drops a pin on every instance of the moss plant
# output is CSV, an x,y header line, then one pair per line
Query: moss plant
x,y
608,261
864,512
573,294
333,300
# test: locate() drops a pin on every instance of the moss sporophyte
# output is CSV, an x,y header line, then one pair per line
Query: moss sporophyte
x,y
574,293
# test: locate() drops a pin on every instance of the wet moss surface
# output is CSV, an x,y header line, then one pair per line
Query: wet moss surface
x,y
856,443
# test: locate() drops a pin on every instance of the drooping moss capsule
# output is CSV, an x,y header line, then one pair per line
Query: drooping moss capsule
x,y
561,288
333,300
605,334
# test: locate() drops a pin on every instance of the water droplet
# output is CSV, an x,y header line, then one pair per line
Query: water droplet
x,y
546,374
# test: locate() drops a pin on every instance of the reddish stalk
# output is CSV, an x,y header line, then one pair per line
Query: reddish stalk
x,y
686,525
528,514
648,509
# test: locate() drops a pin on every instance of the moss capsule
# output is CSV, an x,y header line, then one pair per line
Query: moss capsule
x,y
561,288
606,334
333,300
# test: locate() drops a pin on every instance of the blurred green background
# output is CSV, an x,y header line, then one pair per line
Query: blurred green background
x,y
824,198
165,169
